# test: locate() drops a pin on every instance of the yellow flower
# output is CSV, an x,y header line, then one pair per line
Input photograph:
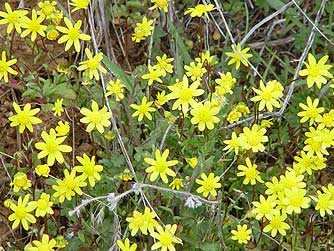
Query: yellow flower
x,y
242,234
46,244
24,118
161,4
145,222
311,111
317,142
42,205
233,116
52,148
267,96
176,184
21,213
295,199
238,56
206,59
153,75
5,67
291,179
63,128
160,166
61,242
161,99
126,175
72,35
204,115
316,72
58,107
7,203
125,246
277,224
95,118
51,33
116,88
199,10
165,238
209,184
79,4
47,8
234,143
33,25
324,203
88,169
254,138
266,123
243,108
142,30
265,207
143,109
274,188
195,71
20,181
13,19
326,120
68,186
304,162
250,172
92,65
164,65
42,170
184,94
192,162
225,84
56,17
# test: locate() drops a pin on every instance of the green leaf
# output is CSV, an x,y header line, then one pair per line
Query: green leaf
x,y
181,49
119,73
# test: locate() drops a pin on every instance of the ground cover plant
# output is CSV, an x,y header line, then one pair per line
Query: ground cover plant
x,y
166,125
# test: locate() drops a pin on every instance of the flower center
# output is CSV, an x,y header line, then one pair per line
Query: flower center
x,y
266,95
89,169
276,223
48,9
3,66
12,18
21,181
166,239
161,3
203,116
34,25
197,72
92,64
95,117
314,71
82,3
70,183
23,119
43,204
208,185
186,94
312,112
161,166
253,139
142,109
295,200
73,34
52,147
20,212
251,173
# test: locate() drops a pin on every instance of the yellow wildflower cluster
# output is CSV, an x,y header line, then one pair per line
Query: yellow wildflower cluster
x,y
146,223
